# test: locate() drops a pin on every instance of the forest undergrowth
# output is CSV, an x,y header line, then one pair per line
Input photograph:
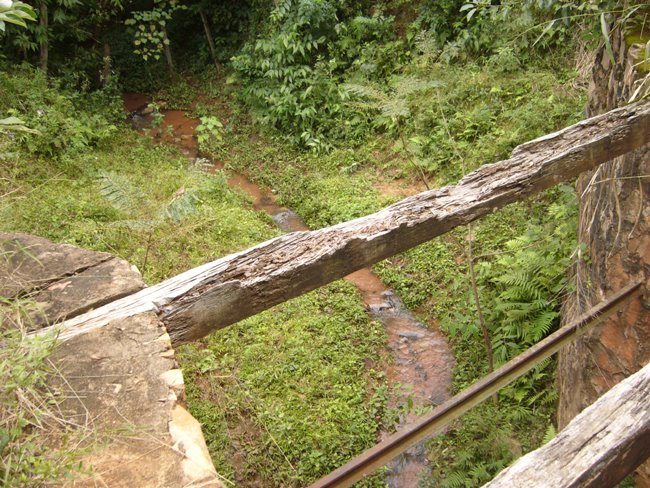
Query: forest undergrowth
x,y
339,109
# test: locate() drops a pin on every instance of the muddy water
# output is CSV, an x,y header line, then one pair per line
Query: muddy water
x,y
420,372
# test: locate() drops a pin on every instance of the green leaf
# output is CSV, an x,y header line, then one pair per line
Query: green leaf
x,y
15,124
604,27
118,190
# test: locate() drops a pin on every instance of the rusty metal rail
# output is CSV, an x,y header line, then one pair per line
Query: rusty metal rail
x,y
382,453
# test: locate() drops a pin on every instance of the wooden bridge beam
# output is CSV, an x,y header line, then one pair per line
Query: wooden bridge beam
x,y
235,287
599,447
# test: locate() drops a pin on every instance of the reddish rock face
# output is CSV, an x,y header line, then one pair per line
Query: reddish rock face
x,y
615,226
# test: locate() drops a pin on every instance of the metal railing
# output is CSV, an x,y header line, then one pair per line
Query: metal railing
x,y
375,457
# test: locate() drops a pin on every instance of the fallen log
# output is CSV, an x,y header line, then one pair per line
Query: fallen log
x,y
204,299
598,448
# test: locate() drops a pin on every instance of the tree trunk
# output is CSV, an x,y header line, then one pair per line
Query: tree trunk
x,y
43,22
168,54
106,66
615,226
208,35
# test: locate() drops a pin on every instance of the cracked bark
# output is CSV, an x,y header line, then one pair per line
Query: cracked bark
x,y
615,226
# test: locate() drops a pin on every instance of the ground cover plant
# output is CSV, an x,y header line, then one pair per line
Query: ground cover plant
x,y
38,447
288,396
337,108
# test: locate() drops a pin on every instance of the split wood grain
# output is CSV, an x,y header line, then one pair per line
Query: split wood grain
x,y
598,448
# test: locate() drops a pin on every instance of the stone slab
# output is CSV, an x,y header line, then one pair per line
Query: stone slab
x,y
29,262
125,389
120,385
91,288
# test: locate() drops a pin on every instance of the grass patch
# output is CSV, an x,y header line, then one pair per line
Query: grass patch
x,y
38,447
69,207
295,391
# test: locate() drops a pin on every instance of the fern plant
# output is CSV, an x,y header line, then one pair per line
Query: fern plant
x,y
525,285
394,107
474,450
130,200
14,124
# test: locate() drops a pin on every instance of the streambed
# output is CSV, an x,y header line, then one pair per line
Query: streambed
x,y
420,372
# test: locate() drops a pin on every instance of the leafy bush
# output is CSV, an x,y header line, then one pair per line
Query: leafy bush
x,y
17,13
209,134
367,45
287,81
66,122
291,73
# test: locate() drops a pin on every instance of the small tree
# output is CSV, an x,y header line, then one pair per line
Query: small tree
x,y
150,37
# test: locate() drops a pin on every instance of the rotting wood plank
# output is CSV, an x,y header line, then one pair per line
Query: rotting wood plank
x,y
204,299
599,447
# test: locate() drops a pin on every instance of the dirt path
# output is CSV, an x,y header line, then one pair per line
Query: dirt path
x,y
421,371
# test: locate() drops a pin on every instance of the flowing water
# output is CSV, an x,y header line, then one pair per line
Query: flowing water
x,y
420,372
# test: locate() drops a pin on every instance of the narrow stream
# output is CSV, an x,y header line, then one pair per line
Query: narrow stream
x,y
422,359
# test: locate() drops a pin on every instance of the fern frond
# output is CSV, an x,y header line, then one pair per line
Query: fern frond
x,y
136,225
119,191
543,324
519,412
185,203
456,479
408,85
480,473
395,108
550,434
365,91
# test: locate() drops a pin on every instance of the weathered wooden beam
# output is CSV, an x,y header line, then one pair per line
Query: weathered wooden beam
x,y
599,447
220,293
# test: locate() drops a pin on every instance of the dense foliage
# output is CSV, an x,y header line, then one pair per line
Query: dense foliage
x,y
339,107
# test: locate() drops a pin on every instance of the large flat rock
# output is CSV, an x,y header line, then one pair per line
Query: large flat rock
x,y
30,262
61,281
122,384
91,288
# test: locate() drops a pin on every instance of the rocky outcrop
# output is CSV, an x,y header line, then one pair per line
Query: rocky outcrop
x,y
615,226
61,281
121,384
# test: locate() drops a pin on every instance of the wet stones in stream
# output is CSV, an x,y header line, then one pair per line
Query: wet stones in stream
x,y
420,374
288,221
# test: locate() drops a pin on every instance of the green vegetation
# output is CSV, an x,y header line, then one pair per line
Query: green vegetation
x,y
37,445
339,107
147,203
290,394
